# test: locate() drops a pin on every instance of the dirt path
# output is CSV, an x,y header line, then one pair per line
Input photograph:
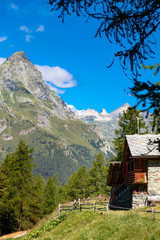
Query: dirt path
x,y
13,235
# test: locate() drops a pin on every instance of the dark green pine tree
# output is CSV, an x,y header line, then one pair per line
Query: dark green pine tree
x,y
131,122
50,193
34,203
62,194
77,186
17,169
38,191
98,175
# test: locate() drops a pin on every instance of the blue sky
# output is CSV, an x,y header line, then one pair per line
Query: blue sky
x,y
67,54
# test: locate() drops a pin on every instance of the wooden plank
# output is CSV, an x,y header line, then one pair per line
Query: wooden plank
x,y
69,209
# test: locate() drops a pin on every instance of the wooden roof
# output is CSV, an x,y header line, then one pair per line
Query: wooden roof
x,y
143,145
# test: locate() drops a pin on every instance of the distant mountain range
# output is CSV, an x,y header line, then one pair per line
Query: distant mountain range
x,y
90,115
63,137
106,124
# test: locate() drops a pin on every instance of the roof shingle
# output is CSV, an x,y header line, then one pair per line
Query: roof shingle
x,y
140,145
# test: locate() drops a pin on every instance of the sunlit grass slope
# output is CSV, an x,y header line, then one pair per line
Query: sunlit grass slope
x,y
95,226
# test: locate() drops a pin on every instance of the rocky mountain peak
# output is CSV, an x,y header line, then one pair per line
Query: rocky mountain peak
x,y
92,115
91,111
18,74
120,110
18,56
103,112
18,70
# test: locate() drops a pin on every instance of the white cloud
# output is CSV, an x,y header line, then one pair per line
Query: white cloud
x,y
2,60
13,6
40,29
2,39
57,76
56,90
24,28
28,38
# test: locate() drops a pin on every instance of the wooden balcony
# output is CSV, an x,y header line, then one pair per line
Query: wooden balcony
x,y
140,177
136,178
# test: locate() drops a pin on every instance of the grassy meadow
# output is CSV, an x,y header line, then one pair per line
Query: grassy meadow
x,y
88,225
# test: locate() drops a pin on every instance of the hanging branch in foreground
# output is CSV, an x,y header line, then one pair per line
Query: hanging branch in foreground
x,y
128,23
148,94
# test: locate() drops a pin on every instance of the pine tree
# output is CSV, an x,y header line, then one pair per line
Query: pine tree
x,y
62,193
50,193
77,186
148,96
34,203
17,169
98,175
131,122
38,190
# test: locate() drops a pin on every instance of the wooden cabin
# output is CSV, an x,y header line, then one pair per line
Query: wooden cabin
x,y
138,173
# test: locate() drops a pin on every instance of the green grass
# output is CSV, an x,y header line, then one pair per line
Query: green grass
x,y
86,225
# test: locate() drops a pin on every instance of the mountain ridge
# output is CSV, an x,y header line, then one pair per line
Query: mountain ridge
x,y
105,123
63,138
93,114
30,110
32,81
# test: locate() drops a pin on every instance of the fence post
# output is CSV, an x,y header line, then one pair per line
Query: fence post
x,y
152,213
135,208
107,208
79,205
59,209
80,208
72,205
94,207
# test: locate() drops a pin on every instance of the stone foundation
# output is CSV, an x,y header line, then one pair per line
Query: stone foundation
x,y
139,200
153,177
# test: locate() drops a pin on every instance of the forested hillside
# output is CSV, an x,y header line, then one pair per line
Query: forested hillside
x,y
25,198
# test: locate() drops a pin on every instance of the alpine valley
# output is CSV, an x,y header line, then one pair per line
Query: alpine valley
x,y
63,137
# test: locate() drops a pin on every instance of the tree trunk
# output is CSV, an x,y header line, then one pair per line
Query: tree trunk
x,y
20,215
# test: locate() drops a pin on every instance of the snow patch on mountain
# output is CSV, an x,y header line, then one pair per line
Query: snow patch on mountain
x,y
92,115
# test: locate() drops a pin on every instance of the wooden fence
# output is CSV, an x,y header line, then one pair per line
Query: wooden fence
x,y
102,206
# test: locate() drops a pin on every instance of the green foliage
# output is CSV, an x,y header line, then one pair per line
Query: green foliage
x,y
21,193
24,198
50,195
77,186
147,94
17,170
98,174
47,227
155,67
129,123
52,155
83,183
62,193
33,208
